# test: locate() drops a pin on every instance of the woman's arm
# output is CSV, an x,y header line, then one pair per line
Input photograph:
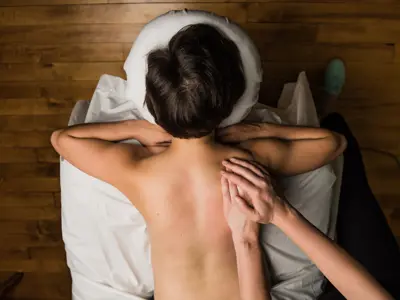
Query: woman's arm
x,y
286,150
140,130
265,206
91,147
245,236
247,131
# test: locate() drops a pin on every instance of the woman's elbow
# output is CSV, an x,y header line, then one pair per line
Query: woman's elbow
x,y
341,143
55,139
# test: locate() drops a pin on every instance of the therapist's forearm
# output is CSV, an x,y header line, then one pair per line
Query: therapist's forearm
x,y
344,272
252,282
112,131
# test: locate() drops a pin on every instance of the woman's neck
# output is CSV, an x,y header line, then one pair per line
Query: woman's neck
x,y
193,144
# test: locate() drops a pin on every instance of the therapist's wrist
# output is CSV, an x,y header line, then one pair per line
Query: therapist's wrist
x,y
245,242
246,235
283,212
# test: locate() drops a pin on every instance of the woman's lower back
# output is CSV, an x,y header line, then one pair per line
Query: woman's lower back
x,y
195,266
192,250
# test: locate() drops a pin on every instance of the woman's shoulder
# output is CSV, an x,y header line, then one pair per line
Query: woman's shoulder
x,y
235,152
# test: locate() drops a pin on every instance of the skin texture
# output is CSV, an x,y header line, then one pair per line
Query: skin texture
x,y
252,284
176,185
261,204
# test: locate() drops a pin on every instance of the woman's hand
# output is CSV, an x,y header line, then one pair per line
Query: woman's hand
x,y
257,199
243,229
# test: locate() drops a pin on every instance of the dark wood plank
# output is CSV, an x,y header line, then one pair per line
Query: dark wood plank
x,y
29,170
48,155
19,90
13,254
306,2
383,175
30,185
372,74
311,52
66,34
379,32
110,14
381,137
59,71
34,139
28,265
50,227
383,115
370,96
321,12
18,199
281,33
17,227
33,122
397,53
49,2
68,90
29,213
39,106
17,155
44,286
51,253
99,52
375,127
394,221
283,72
64,2
76,2
57,199
389,201
19,240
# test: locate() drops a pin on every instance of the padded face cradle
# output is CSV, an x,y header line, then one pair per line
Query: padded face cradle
x,y
159,32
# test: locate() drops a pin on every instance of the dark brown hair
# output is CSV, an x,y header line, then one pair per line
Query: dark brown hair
x,y
194,83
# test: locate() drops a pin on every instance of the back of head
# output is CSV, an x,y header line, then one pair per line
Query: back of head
x,y
194,83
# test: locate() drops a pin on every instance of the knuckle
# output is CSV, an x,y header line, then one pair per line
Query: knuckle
x,y
263,185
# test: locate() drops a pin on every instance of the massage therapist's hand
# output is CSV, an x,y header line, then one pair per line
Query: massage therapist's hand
x,y
263,205
243,229
258,199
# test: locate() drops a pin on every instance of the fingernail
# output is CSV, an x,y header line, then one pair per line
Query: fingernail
x,y
224,162
233,159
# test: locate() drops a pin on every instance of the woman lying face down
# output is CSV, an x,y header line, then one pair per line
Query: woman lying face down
x,y
192,85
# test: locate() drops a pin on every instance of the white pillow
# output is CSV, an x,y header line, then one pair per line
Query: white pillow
x,y
159,32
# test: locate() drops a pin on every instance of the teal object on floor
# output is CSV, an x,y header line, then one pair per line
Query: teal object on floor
x,y
335,77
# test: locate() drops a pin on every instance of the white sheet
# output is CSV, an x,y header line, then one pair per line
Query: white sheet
x,y
105,237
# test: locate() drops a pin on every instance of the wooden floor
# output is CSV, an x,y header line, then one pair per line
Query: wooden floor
x,y
53,52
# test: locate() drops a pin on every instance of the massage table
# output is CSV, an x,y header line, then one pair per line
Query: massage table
x,y
105,236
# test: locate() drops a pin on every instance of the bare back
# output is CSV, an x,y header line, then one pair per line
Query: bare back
x,y
192,250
